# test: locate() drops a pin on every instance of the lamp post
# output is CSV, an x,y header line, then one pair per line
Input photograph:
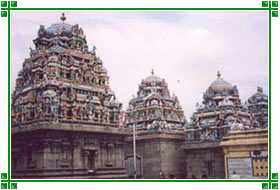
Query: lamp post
x,y
134,146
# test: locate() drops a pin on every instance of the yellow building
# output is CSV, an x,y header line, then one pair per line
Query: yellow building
x,y
246,154
243,154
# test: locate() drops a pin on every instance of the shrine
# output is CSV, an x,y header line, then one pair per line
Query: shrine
x,y
66,121
65,117
258,105
222,129
154,108
220,111
160,124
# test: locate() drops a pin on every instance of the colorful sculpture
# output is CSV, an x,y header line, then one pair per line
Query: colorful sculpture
x,y
258,105
62,80
154,108
220,112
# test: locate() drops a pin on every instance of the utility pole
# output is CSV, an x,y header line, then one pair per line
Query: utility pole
x,y
134,151
134,148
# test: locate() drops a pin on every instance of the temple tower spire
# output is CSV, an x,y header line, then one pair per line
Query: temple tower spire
x,y
63,17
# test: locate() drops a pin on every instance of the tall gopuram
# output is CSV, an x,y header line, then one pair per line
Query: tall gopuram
x,y
159,121
220,110
65,117
222,136
258,105
154,109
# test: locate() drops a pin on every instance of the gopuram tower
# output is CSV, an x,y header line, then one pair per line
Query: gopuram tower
x,y
159,122
258,105
64,114
222,138
220,111
154,108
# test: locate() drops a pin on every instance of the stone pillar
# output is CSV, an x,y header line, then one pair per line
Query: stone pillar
x,y
103,153
225,162
95,159
54,153
119,155
110,149
30,156
25,157
15,160
45,152
124,145
85,159
76,162
98,156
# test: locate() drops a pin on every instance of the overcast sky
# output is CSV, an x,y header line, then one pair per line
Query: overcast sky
x,y
186,48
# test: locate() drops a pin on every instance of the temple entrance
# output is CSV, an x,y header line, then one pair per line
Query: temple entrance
x,y
89,154
129,162
91,160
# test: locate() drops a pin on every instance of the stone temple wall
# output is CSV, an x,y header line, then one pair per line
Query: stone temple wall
x,y
65,118
60,153
161,152
172,159
243,152
204,160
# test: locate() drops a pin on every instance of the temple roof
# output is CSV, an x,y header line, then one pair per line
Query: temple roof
x,y
154,108
259,96
62,30
62,80
220,86
55,29
153,80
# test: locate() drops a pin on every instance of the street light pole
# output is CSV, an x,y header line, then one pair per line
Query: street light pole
x,y
134,150
134,146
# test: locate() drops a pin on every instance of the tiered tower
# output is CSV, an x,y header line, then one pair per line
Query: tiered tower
x,y
154,108
258,105
65,117
63,81
221,133
160,123
220,111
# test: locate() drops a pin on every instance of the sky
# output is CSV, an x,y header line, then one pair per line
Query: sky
x,y
186,48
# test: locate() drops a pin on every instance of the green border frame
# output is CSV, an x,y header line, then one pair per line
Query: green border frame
x,y
266,183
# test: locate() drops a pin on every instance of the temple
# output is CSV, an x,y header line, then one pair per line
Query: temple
x,y
220,111
66,121
154,108
258,106
224,135
160,127
65,116
63,81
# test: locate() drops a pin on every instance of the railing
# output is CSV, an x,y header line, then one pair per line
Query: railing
x,y
59,120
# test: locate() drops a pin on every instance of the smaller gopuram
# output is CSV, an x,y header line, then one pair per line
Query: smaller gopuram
x,y
154,108
258,106
65,116
159,121
220,112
